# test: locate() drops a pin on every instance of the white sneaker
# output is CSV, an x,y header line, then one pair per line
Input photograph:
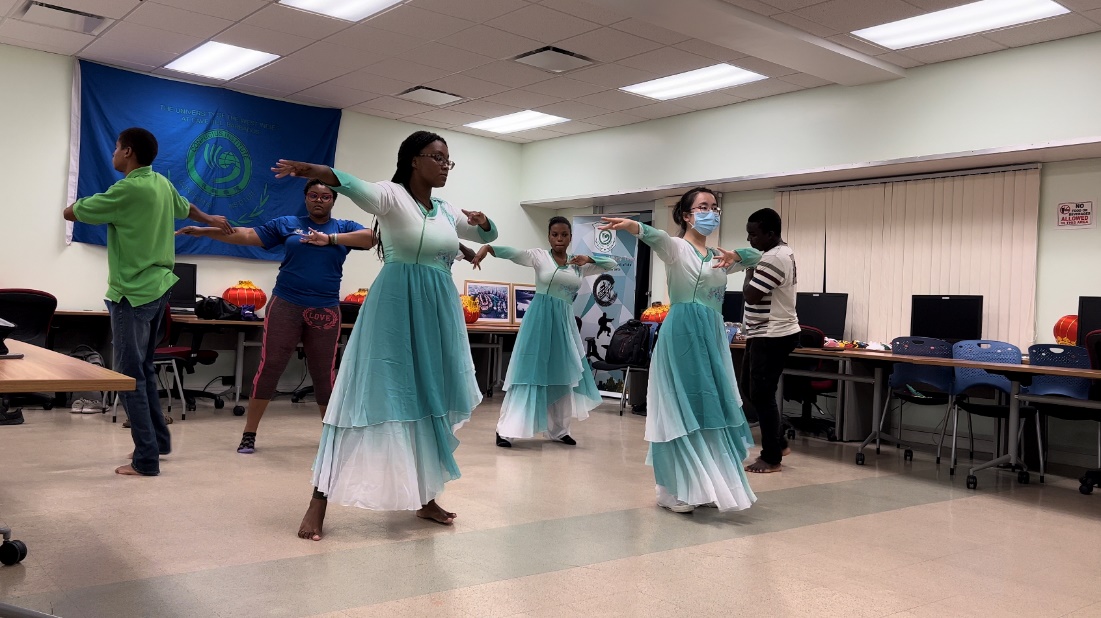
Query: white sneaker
x,y
92,406
78,406
679,507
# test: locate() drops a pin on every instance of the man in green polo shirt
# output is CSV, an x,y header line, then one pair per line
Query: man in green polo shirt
x,y
140,212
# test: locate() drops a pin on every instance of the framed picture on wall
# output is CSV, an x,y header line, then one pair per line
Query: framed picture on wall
x,y
522,296
494,300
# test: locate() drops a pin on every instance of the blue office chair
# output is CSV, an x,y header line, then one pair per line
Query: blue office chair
x,y
1048,355
921,385
965,378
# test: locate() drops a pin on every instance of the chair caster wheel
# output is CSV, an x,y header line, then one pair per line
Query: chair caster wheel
x,y
791,434
831,435
1085,490
238,410
219,403
49,405
296,400
12,552
908,455
1023,477
860,459
951,470
190,407
972,481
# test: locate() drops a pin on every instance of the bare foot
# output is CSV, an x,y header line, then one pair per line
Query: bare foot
x,y
786,451
763,467
127,470
434,512
310,528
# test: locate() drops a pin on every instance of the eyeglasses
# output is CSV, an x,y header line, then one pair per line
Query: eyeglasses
x,y
439,158
715,209
319,197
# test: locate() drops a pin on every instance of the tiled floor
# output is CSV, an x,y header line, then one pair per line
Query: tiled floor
x,y
543,530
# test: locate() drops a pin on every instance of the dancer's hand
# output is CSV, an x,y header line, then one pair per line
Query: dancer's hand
x,y
477,217
726,258
284,168
481,255
313,237
581,260
615,223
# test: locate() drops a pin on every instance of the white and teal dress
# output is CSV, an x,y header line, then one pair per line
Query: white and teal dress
x,y
549,381
406,380
697,431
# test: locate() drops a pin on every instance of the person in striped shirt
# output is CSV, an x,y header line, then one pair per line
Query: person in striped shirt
x,y
772,330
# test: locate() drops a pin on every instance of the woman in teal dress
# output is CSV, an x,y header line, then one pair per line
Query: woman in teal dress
x,y
549,381
406,381
697,431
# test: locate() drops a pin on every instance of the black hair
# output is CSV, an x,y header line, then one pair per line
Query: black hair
x,y
313,182
684,206
409,149
767,220
559,220
141,142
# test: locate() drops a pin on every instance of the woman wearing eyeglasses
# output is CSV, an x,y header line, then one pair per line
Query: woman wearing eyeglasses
x,y
697,431
549,381
406,381
305,304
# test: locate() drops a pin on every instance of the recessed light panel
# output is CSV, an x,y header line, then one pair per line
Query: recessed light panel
x,y
959,21
520,121
710,78
220,61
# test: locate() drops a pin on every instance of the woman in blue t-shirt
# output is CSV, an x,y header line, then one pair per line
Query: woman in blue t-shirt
x,y
305,304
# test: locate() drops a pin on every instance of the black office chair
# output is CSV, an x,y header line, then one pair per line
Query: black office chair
x,y
807,390
31,311
634,359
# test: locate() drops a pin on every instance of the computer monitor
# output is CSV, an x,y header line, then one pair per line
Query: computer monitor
x,y
733,307
951,318
825,311
182,295
1089,316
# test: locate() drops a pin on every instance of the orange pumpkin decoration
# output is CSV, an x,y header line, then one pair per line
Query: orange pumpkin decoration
x,y
471,312
246,293
1066,330
357,297
655,313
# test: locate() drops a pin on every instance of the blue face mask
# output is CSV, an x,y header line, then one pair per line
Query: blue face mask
x,y
706,222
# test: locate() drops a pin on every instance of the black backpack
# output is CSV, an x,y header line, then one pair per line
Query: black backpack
x,y
630,344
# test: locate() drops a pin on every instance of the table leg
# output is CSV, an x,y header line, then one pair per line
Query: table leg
x,y
1013,430
877,410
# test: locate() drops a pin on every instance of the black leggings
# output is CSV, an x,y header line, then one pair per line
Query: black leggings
x,y
285,326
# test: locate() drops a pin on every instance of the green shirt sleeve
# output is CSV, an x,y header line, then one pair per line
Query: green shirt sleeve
x,y
523,258
660,241
600,264
364,194
474,233
102,207
749,259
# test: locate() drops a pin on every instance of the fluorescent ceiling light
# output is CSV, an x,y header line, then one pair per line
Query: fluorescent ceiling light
x,y
959,21
694,82
220,61
520,121
348,10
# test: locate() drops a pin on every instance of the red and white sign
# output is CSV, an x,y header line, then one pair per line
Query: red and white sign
x,y
1075,215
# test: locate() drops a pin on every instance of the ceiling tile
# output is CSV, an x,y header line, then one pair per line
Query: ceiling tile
x,y
805,25
191,79
764,67
274,80
613,76
897,59
790,5
614,100
662,109
177,20
805,80
1047,30
564,87
255,90
450,59
410,20
374,112
299,65
574,127
484,108
473,10
514,139
584,10
331,55
5,6
119,51
303,99
762,89
572,110
449,116
402,69
332,93
262,39
395,106
362,80
381,42
542,24
755,5
1081,5
708,100
540,134
615,119
1094,16
522,99
491,42
226,9
509,73
937,5
101,59
647,30
51,40
293,21
858,44
144,36
425,122
951,50
115,9
710,50
608,45
667,61
849,15
466,87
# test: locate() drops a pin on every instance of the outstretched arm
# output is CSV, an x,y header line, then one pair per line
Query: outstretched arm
x,y
359,239
238,236
324,173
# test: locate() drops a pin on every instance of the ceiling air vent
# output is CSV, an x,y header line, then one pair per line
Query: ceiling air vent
x,y
66,19
554,60
429,96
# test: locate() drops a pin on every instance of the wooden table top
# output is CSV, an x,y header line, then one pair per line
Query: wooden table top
x,y
42,370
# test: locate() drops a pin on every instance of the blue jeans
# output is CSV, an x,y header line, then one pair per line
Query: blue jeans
x,y
134,333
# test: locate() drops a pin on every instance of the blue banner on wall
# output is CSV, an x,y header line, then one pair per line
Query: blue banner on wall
x,y
217,146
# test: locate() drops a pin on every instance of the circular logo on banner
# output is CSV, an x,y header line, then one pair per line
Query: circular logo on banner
x,y
605,240
604,290
225,164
